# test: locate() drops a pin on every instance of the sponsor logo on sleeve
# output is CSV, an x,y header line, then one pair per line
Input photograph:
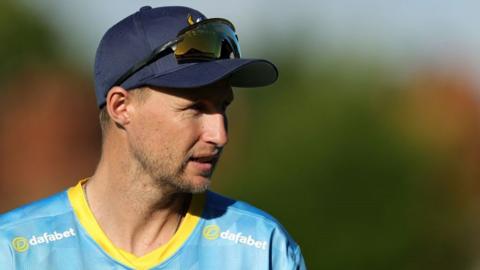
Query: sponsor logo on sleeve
x,y
213,232
22,244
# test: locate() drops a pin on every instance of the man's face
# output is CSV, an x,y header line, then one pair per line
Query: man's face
x,y
177,136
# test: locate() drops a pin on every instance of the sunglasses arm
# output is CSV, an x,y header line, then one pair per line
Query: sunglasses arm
x,y
158,53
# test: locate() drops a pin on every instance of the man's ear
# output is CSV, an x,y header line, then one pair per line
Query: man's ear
x,y
117,105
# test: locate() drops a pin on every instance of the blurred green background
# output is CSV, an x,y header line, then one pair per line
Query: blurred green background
x,y
366,149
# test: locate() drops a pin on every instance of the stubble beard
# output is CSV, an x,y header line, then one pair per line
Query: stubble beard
x,y
167,175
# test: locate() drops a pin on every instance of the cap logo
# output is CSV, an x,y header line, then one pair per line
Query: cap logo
x,y
190,20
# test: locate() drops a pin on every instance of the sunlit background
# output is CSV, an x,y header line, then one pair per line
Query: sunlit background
x,y
366,150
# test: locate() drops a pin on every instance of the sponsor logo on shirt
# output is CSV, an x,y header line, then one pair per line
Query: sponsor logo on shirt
x,y
213,232
22,244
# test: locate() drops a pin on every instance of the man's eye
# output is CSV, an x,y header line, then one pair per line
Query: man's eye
x,y
197,107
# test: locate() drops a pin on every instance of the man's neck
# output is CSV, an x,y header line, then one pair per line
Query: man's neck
x,y
135,214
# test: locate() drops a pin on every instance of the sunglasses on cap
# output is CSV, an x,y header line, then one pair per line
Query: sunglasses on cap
x,y
206,40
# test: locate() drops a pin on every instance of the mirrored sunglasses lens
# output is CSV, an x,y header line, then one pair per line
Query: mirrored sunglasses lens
x,y
206,44
208,41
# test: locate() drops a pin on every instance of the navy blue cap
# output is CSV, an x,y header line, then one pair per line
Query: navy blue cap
x,y
135,37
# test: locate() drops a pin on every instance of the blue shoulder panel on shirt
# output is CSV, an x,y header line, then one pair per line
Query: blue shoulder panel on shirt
x,y
224,204
240,228
51,206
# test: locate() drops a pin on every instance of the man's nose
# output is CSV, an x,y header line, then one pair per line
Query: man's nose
x,y
215,129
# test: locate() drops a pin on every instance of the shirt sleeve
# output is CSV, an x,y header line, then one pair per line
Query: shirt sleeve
x,y
6,258
299,261
286,254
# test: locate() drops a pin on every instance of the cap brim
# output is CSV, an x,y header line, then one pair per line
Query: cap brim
x,y
240,73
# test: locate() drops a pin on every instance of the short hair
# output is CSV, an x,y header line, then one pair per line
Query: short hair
x,y
139,94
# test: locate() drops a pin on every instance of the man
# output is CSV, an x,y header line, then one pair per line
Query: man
x,y
163,81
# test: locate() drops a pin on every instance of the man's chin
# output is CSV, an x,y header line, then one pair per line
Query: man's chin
x,y
191,184
199,184
185,183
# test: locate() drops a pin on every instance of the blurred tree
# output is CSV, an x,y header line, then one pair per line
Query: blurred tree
x,y
49,135
323,152
25,39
